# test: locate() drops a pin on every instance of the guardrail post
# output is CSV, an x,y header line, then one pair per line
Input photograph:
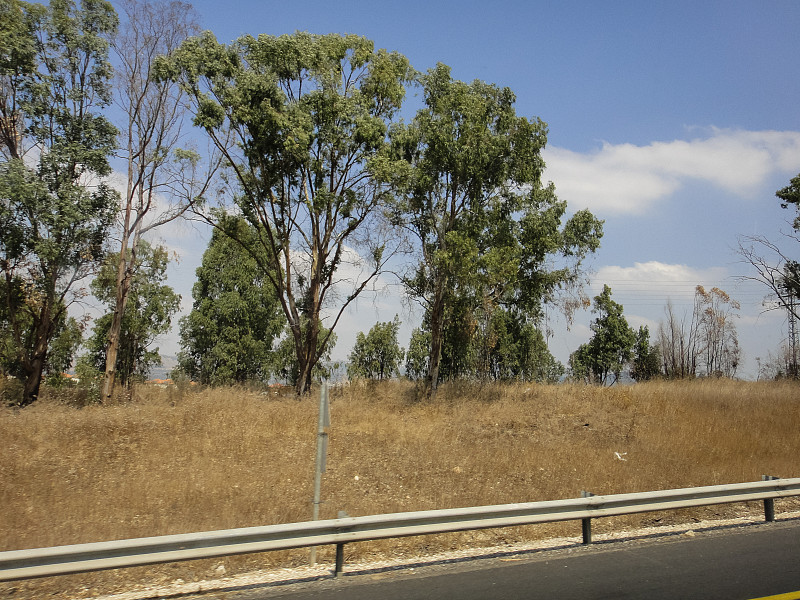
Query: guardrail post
x,y
769,503
337,570
339,560
586,524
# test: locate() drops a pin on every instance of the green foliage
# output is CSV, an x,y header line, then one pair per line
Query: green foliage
x,y
12,293
580,364
468,173
417,355
498,345
790,279
376,355
308,115
610,347
646,363
62,345
18,23
287,367
791,195
53,223
148,313
89,380
235,319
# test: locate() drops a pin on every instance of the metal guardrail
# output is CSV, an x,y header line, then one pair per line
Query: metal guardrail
x,y
59,560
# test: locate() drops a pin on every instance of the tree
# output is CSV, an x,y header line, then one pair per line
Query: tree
x,y
776,267
611,345
719,342
148,313
285,359
418,353
646,363
63,344
309,117
376,355
580,364
235,320
677,344
157,170
18,26
490,345
782,365
791,195
507,347
704,342
54,217
536,363
468,171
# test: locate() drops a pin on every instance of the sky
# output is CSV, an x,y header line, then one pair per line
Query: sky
x,y
674,122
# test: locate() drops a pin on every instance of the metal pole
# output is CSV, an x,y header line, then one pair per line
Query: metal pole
x,y
323,424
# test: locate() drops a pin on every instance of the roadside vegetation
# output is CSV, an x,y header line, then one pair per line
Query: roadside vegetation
x,y
185,459
315,190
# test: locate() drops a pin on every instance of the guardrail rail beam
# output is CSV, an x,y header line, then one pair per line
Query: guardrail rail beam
x,y
60,560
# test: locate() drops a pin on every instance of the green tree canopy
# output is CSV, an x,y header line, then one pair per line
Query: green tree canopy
x,y
235,321
300,119
376,355
468,171
148,313
496,345
646,363
54,216
64,343
418,353
285,359
611,345
790,195
788,284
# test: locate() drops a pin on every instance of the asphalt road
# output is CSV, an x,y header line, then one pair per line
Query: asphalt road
x,y
731,564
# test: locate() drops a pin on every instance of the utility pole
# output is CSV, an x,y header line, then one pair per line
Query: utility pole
x,y
791,305
320,464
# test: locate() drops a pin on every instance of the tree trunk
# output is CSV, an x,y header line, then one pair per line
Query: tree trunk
x,y
30,391
303,383
308,355
35,367
124,275
437,334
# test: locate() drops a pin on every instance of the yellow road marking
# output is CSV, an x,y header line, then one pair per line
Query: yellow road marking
x,y
786,596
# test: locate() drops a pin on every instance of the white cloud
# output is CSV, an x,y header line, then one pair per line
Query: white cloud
x,y
626,178
655,281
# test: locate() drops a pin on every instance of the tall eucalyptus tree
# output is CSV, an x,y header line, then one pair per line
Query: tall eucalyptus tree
x,y
309,116
55,209
469,172
162,180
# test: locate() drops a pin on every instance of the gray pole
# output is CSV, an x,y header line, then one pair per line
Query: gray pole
x,y
323,424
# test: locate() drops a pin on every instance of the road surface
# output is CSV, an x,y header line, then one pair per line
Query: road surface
x,y
756,561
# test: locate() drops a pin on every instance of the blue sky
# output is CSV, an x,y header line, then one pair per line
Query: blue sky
x,y
675,122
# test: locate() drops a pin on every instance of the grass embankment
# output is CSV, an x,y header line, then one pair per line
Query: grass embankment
x,y
172,461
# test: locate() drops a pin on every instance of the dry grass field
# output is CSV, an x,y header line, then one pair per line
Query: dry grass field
x,y
175,460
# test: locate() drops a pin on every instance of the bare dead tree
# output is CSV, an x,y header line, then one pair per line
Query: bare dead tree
x,y
773,268
163,181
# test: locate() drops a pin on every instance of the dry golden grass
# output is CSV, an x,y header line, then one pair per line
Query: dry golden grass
x,y
172,461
